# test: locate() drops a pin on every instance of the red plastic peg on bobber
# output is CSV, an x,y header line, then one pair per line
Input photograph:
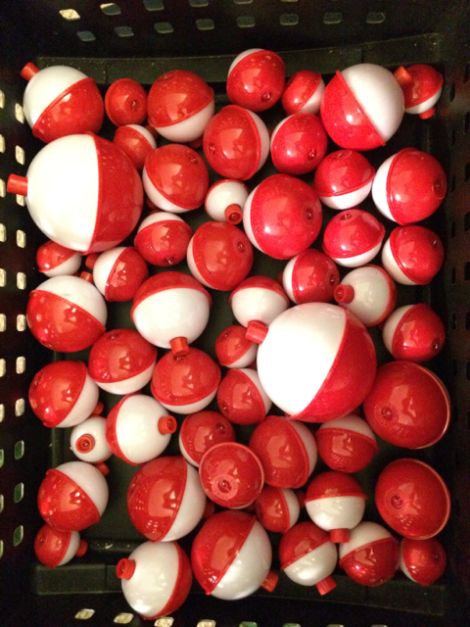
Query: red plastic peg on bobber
x,y
162,239
136,141
310,277
277,509
422,87
118,273
422,561
55,548
55,260
88,441
200,431
126,102
241,397
225,201
298,144
303,92
233,349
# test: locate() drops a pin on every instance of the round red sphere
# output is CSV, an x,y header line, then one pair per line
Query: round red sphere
x,y
53,259
163,239
422,561
126,102
118,273
241,397
55,548
233,349
298,144
136,141
310,277
422,86
303,92
277,509
200,432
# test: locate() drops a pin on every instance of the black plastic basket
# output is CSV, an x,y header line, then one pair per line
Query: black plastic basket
x,y
141,39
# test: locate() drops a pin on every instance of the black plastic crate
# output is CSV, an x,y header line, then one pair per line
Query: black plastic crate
x,y
143,38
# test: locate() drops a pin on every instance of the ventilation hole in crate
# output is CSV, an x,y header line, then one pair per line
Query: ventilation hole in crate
x,y
3,367
21,323
20,364
3,323
21,239
3,277
375,17
243,1
206,623
288,19
19,155
2,503
19,113
467,172
2,99
2,143
291,625
198,4
110,8
466,122
246,21
2,457
20,200
451,92
3,233
248,623
3,189
18,535
467,271
70,15
2,412
164,621
18,450
124,618
86,36
452,228
18,493
124,31
335,625
84,614
163,28
205,23
154,5
1,549
21,280
452,183
20,406
331,18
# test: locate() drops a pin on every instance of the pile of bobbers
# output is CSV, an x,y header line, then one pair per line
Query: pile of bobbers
x,y
300,371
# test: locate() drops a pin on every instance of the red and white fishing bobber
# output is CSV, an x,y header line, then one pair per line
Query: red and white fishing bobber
x,y
88,441
180,104
55,548
231,556
62,394
185,383
408,405
118,273
287,451
225,200
343,179
308,557
277,509
200,431
414,333
413,499
282,216
362,107
370,557
236,143
136,141
171,310
317,362
409,186
369,293
53,259
165,500
346,444
138,429
126,102
422,561
241,397
82,192
353,238
336,503
66,314
233,349
121,361
303,92
231,475
413,255
422,88
219,255
72,496
162,239
155,578
255,79
298,144
60,100
310,277
175,178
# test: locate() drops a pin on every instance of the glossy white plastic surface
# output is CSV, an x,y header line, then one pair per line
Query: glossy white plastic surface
x,y
392,324
309,443
379,189
190,129
84,405
364,533
191,408
191,508
257,303
338,512
104,266
222,194
314,566
348,200
144,132
96,427
358,260
130,385
253,376
69,266
372,294
72,548
90,480
79,292
392,267
292,505
350,423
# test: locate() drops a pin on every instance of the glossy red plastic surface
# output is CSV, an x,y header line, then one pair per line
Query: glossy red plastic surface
x,y
167,281
345,450
352,233
272,510
164,243
425,560
424,82
50,255
299,144
126,102
231,345
299,89
126,276
299,541
372,564
412,499
222,254
239,399
314,277
134,144
342,172
333,484
263,282
199,432
418,252
420,334
50,545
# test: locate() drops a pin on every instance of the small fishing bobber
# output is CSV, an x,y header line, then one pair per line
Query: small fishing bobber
x,y
136,141
310,277
255,79
55,548
118,273
201,431
162,239
225,200
126,102
422,561
303,92
298,144
88,441
241,397
422,87
53,259
277,509
233,349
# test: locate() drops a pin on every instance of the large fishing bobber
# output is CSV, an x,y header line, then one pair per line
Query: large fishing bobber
x,y
316,362
255,79
53,259
231,475
422,88
60,100
126,102
219,255
82,192
138,429
353,238
362,107
408,405
88,441
200,431
171,310
162,239
72,496
336,503
414,333
303,92
277,509
282,216
118,273
343,179
136,141
180,104
241,397
233,349
413,255
121,361
66,314
62,394
175,178
236,143
298,144
165,500
369,293
310,277
346,444
412,499
225,200
231,556
186,383
155,578
308,557
370,556
287,451
409,186
55,548
422,561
